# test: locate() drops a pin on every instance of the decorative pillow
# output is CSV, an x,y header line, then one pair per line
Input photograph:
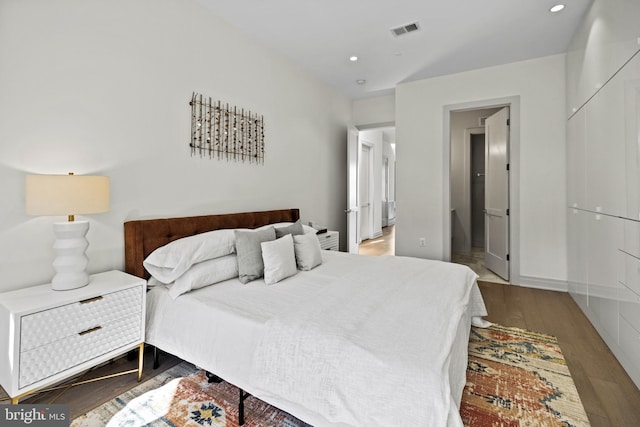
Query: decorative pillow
x,y
307,250
306,228
250,266
204,274
293,229
170,261
279,259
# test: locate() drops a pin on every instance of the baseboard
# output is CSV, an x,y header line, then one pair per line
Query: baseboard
x,y
542,283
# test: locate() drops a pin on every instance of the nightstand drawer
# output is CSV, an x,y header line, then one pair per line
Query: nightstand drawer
x,y
329,240
45,361
48,326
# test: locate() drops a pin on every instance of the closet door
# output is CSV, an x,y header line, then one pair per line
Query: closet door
x,y
576,160
605,236
605,150
577,255
631,77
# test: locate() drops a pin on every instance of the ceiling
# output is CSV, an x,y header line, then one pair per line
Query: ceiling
x,y
453,35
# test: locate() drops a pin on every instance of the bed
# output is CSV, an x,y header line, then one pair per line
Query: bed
x,y
355,340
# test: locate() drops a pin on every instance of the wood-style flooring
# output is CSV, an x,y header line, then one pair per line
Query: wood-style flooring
x,y
383,245
609,396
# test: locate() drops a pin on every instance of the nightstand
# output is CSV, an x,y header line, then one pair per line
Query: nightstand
x,y
50,335
329,240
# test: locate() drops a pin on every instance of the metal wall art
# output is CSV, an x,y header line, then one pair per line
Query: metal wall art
x,y
225,132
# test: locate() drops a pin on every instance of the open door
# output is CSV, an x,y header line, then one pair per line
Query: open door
x,y
496,254
352,190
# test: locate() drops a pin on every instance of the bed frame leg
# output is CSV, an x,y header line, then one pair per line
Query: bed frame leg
x,y
212,378
156,361
241,407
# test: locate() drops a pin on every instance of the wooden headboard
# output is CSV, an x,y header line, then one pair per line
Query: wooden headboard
x,y
141,237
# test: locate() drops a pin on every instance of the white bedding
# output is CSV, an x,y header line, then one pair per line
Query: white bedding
x,y
390,348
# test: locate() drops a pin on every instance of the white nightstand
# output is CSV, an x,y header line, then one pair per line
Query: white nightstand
x,y
330,240
50,335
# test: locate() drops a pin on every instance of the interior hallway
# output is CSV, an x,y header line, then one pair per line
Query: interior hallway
x,y
383,245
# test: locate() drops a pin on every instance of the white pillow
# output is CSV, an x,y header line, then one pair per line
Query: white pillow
x,y
170,261
204,274
306,228
308,251
279,259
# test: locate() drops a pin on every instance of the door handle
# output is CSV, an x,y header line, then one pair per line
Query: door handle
x,y
479,174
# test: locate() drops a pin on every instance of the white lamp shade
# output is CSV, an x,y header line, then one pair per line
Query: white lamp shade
x,y
66,194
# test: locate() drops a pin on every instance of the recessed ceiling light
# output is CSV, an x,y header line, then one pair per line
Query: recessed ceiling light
x,y
556,8
361,81
353,58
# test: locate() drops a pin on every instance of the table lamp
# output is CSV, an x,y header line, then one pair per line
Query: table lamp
x,y
68,195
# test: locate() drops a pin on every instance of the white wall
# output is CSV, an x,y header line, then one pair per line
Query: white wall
x,y
420,154
378,110
99,87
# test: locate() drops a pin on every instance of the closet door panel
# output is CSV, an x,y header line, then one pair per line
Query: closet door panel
x,y
631,77
576,160
577,255
605,238
605,150
606,39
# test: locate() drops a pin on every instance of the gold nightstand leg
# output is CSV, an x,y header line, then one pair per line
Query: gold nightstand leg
x,y
15,400
140,361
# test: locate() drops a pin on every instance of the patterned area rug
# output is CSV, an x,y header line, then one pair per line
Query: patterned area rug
x,y
518,378
514,378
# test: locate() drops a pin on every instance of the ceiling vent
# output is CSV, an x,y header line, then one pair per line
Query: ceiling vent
x,y
405,29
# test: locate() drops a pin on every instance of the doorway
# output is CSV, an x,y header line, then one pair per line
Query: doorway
x,y
479,222
371,189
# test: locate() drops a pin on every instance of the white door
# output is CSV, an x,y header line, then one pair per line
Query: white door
x,y
364,192
352,190
496,254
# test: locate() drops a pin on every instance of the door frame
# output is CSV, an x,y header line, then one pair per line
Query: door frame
x,y
353,216
513,102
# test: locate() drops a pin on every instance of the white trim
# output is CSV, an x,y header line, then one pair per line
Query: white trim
x,y
513,102
543,283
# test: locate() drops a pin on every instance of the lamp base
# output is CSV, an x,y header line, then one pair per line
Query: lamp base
x,y
71,261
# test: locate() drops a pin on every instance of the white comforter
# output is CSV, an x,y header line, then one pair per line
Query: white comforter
x,y
375,352
358,341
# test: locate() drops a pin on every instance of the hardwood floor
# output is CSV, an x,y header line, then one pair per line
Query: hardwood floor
x,y
83,398
609,396
383,245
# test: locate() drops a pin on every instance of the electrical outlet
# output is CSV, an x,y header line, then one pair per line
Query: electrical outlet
x,y
422,242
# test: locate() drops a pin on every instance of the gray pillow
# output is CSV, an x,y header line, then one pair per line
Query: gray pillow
x,y
293,229
249,252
